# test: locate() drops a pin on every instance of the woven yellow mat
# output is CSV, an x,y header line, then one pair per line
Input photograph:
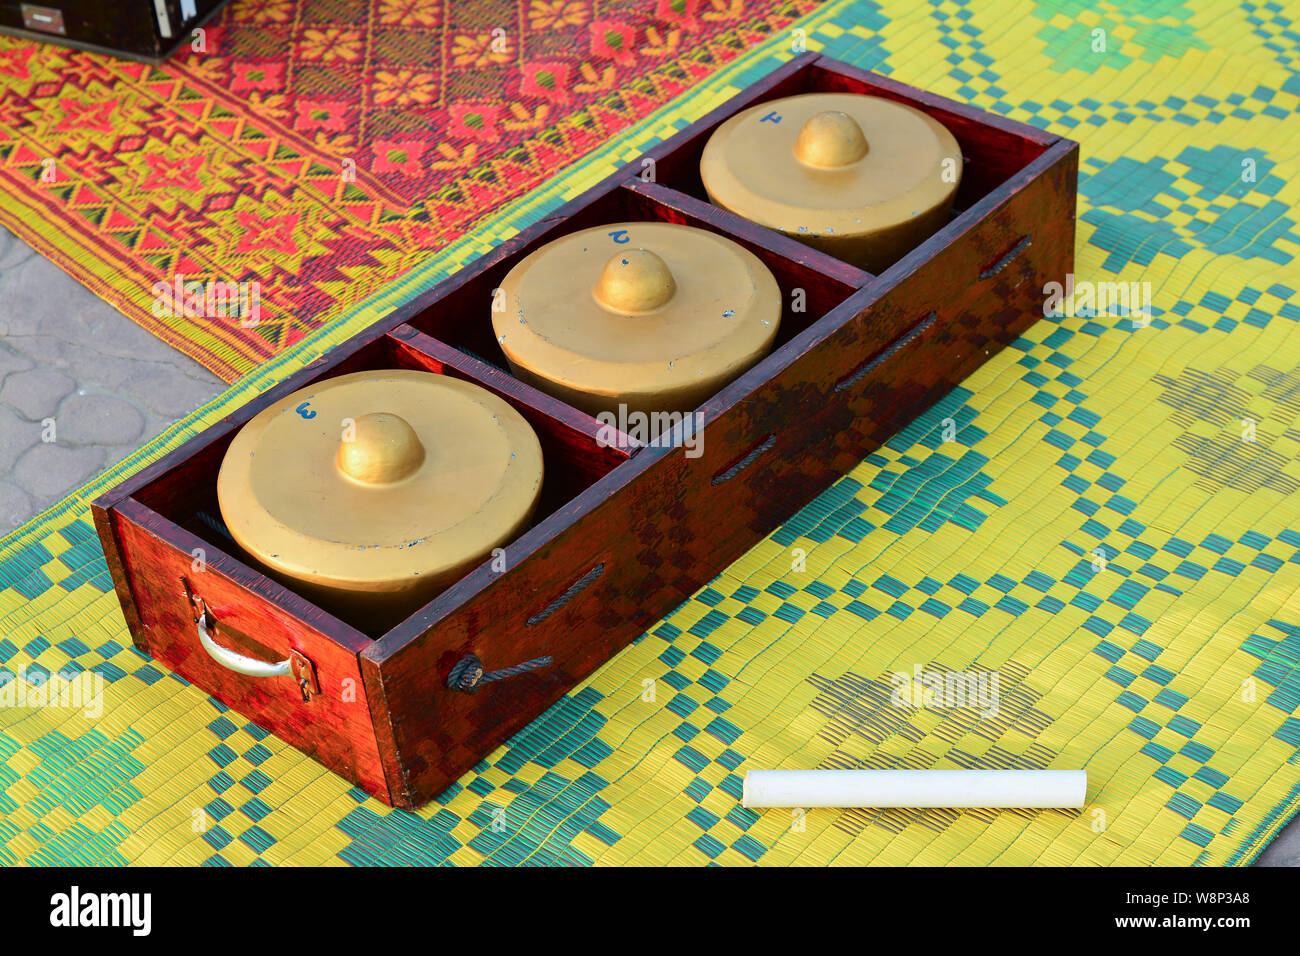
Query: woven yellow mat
x,y
1092,546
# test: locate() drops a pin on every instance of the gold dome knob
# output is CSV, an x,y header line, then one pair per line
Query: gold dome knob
x,y
634,282
380,450
830,139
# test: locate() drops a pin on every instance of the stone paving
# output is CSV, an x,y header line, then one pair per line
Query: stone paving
x,y
75,370
109,386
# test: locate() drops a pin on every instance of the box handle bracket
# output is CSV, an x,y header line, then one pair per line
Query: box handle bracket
x,y
295,665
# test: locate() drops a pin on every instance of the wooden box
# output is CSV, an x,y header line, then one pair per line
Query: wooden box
x,y
625,532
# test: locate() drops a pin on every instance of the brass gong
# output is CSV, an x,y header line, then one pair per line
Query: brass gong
x,y
653,316
371,492
862,178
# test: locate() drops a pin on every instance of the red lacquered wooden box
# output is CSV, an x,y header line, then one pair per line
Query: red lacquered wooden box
x,y
624,532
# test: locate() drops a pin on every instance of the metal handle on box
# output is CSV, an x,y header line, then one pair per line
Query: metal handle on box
x,y
295,665
248,666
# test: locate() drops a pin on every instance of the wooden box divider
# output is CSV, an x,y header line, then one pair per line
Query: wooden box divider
x,y
456,315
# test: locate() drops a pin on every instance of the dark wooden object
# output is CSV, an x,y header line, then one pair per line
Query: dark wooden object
x,y
148,30
625,532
